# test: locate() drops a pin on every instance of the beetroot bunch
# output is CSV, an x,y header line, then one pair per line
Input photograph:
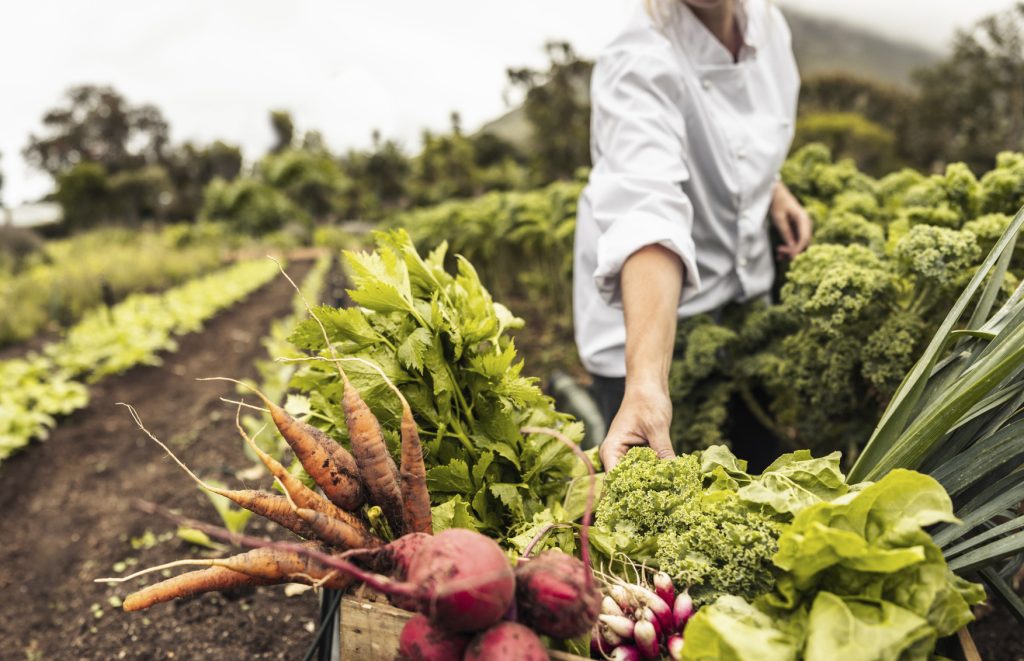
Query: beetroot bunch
x,y
555,595
638,623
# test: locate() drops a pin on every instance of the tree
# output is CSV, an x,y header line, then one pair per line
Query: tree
x,y
250,206
96,124
971,105
312,180
141,193
850,135
558,108
445,168
284,130
191,167
84,194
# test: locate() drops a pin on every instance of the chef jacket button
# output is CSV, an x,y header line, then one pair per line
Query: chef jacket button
x,y
706,84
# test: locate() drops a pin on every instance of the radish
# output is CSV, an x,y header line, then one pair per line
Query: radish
x,y
664,588
599,644
394,560
610,607
422,641
648,615
646,638
556,594
675,647
645,598
682,611
508,641
621,597
620,626
625,653
610,638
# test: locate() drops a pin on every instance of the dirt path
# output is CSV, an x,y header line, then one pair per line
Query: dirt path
x,y
66,515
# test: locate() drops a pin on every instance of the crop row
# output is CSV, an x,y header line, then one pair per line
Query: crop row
x,y
42,386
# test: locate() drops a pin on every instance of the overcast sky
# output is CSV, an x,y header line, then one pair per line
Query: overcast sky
x,y
345,67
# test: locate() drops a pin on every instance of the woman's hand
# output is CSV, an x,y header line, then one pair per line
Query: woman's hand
x,y
792,221
643,419
651,279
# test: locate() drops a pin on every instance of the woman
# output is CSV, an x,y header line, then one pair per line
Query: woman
x,y
693,113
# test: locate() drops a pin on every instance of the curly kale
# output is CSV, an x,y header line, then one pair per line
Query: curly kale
x,y
891,350
1002,189
847,229
947,200
712,541
936,257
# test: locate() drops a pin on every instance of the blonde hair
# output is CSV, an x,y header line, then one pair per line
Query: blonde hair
x,y
658,10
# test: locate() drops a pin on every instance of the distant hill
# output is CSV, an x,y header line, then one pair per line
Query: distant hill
x,y
821,44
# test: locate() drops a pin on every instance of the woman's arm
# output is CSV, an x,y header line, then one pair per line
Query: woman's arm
x,y
651,281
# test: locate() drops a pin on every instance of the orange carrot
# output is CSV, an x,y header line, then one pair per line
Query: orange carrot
x,y
187,585
336,532
376,467
413,473
380,475
302,495
265,566
329,464
268,505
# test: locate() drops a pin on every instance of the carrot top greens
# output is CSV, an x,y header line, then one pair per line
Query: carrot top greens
x,y
438,335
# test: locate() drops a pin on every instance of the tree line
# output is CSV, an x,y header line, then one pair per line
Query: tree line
x,y
114,162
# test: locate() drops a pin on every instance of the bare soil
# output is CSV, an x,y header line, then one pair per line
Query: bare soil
x,y
68,514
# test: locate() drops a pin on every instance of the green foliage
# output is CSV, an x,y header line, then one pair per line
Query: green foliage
x,y
108,342
558,109
83,193
706,522
312,180
249,206
970,105
57,285
854,311
850,135
858,578
444,342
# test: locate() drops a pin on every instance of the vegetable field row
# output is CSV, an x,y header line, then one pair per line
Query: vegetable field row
x,y
108,341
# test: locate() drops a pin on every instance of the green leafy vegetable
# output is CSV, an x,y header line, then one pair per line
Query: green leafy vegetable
x,y
858,578
445,343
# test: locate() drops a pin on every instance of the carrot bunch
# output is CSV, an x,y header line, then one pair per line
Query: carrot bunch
x,y
331,520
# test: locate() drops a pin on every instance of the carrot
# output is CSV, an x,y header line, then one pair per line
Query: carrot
x,y
337,532
413,473
302,495
334,532
268,505
329,464
187,585
376,467
380,475
265,565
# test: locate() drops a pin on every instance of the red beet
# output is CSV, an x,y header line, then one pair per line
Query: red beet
x,y
422,641
508,641
464,580
555,597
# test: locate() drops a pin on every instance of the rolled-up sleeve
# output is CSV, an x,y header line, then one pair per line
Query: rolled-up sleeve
x,y
636,192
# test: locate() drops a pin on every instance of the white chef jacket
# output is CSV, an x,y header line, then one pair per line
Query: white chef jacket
x,y
686,145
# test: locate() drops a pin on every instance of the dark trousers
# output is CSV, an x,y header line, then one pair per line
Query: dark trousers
x,y
608,392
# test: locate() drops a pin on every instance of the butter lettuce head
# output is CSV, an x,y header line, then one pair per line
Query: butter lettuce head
x,y
858,578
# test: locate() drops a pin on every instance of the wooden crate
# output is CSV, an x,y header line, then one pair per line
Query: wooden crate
x,y
370,630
